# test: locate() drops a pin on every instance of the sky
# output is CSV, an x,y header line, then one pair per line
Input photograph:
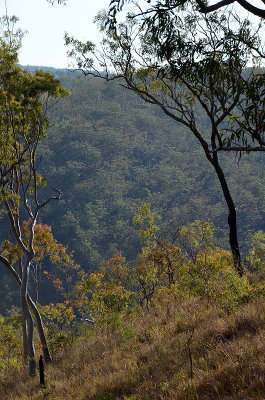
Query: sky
x,y
46,25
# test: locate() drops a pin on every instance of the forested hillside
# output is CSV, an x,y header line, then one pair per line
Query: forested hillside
x,y
108,151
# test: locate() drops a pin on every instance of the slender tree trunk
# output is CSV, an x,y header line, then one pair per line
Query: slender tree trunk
x,y
27,315
212,157
38,320
24,322
42,336
25,339
232,219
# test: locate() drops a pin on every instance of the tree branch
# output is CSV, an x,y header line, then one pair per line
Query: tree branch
x,y
245,4
239,148
207,9
13,227
254,10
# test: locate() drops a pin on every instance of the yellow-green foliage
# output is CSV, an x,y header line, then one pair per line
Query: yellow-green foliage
x,y
194,267
257,252
61,313
201,335
213,277
108,295
146,221
10,342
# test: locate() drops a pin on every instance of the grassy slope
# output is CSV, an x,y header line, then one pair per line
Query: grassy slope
x,y
148,357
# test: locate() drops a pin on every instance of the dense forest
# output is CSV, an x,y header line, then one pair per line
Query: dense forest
x,y
108,151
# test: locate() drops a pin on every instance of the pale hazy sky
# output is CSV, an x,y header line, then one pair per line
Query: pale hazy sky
x,y
46,25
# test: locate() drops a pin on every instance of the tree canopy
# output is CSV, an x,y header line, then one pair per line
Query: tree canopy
x,y
165,6
159,10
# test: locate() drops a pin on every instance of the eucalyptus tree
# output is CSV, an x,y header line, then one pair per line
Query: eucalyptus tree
x,y
158,10
161,7
202,65
24,101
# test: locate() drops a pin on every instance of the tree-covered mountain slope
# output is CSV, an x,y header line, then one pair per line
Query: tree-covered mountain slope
x,y
108,151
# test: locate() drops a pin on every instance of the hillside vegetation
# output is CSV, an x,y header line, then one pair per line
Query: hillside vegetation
x,y
108,152
185,350
132,210
178,323
163,317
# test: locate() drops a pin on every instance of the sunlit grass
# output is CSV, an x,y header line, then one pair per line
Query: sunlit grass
x,y
153,360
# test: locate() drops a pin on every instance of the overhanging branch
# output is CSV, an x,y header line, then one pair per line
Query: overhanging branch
x,y
239,148
245,4
207,9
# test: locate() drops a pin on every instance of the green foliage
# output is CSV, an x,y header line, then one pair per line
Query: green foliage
x,y
109,291
108,396
163,272
57,340
256,256
24,100
10,342
145,221
197,237
196,268
213,278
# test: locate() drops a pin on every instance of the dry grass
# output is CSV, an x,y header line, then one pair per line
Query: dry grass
x,y
149,357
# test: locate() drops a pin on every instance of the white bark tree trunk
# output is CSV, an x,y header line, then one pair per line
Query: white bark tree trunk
x,y
27,315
